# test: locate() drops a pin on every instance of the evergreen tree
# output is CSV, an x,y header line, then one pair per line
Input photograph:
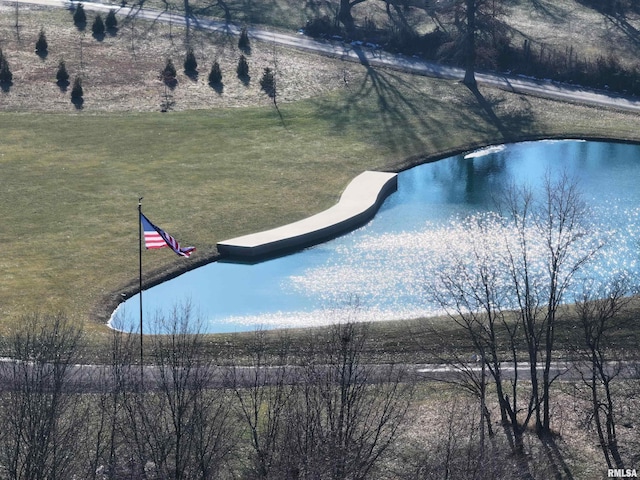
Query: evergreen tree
x,y
80,17
243,68
111,22
215,75
6,77
42,46
98,27
268,83
168,74
62,76
76,91
190,63
243,41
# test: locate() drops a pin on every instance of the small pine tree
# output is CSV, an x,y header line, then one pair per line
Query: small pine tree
x,y
190,63
243,41
76,91
111,22
41,45
243,68
79,16
215,75
169,74
6,77
98,27
268,83
62,76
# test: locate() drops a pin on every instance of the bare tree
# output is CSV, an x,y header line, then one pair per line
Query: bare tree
x,y
345,15
599,314
506,288
39,413
347,414
329,417
476,36
179,426
554,241
114,382
470,43
472,290
263,390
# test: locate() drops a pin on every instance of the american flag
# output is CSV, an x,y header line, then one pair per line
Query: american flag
x,y
155,237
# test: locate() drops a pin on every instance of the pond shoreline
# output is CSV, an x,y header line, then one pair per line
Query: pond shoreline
x,y
106,307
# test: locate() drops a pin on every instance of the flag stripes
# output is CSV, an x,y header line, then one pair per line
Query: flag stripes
x,y
155,237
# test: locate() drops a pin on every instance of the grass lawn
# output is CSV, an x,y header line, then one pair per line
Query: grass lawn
x,y
71,179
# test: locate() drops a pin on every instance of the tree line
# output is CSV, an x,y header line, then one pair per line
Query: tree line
x,y
187,417
168,74
475,34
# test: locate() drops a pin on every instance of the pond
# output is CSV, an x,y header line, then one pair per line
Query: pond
x,y
378,271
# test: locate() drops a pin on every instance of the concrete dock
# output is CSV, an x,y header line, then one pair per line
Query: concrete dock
x,y
358,204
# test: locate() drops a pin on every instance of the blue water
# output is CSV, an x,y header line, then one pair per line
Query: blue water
x,y
378,272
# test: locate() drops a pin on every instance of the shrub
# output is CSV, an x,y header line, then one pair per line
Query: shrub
x,y
41,45
319,26
168,74
243,41
98,27
243,68
268,82
190,62
76,91
6,77
79,16
111,22
62,76
215,75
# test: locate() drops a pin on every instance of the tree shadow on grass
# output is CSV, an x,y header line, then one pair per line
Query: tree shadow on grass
x,y
420,112
192,75
245,79
509,124
217,86
78,102
63,85
616,17
555,458
488,109
112,31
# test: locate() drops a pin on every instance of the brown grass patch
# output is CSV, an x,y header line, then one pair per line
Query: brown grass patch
x,y
121,72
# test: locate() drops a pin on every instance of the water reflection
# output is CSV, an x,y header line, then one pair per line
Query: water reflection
x,y
379,270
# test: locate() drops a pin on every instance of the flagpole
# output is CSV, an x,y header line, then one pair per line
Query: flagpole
x,y
140,284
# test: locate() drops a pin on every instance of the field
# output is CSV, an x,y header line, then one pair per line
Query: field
x,y
219,163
